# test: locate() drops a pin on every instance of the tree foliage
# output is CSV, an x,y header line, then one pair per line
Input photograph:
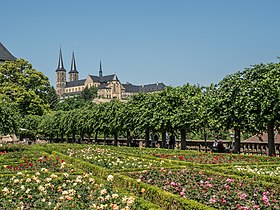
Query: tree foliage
x,y
88,94
28,88
8,118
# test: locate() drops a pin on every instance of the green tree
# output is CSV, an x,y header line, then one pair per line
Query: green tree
x,y
262,89
231,106
71,104
8,118
29,126
88,94
51,97
27,87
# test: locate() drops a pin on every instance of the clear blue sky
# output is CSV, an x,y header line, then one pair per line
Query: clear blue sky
x,y
144,41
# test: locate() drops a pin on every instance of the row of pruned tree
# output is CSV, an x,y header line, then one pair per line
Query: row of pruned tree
x,y
246,101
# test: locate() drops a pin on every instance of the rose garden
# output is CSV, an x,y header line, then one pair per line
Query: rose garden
x,y
82,176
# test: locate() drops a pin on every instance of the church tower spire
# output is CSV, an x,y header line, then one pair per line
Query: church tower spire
x,y
60,66
60,76
100,70
73,73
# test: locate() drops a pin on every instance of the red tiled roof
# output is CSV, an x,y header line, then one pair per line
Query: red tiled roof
x,y
263,138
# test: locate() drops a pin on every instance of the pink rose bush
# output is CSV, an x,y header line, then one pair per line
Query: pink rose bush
x,y
218,191
212,158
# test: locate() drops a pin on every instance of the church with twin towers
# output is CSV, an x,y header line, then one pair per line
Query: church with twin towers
x,y
109,86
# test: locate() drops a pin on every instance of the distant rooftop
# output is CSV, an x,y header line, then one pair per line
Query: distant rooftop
x,y
5,55
143,88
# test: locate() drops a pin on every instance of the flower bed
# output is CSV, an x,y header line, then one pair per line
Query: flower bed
x,y
260,170
192,156
111,160
213,190
214,158
48,163
50,191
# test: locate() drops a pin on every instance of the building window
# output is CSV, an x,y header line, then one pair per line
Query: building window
x,y
114,88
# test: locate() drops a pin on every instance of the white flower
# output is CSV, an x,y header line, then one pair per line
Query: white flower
x,y
114,196
5,190
110,178
130,201
48,179
124,199
44,170
65,192
41,188
53,176
104,191
107,197
100,198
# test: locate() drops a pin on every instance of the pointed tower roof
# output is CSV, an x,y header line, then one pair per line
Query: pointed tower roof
x,y
100,70
73,64
5,55
60,66
115,78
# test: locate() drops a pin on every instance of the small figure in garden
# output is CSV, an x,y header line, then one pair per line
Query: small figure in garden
x,y
215,146
172,141
155,140
230,148
220,146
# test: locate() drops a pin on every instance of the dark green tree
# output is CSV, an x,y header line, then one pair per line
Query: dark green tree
x,y
26,87
9,118
88,94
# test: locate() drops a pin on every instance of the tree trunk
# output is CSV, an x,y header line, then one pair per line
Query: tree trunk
x,y
205,138
163,138
50,139
82,138
128,137
62,138
236,140
115,139
67,138
271,143
73,137
89,137
183,138
147,138
96,137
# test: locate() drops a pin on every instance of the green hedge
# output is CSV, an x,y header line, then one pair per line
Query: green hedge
x,y
153,194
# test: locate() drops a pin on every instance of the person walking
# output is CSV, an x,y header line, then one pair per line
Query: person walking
x,y
172,141
155,140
